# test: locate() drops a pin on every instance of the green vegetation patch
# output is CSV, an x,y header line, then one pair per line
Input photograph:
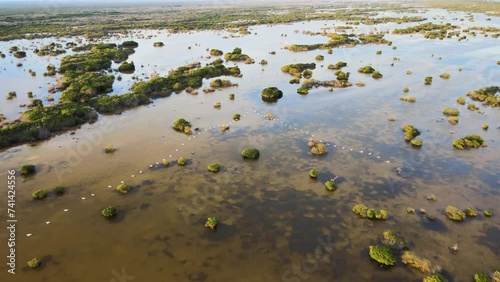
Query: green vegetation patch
x,y
364,212
182,161
117,103
383,254
313,173
422,264
487,95
451,112
271,94
126,67
123,188
34,262
410,131
455,214
337,65
298,69
366,69
469,141
179,79
211,223
237,56
181,125
109,212
250,153
394,240
27,169
216,52
435,278
215,167
39,194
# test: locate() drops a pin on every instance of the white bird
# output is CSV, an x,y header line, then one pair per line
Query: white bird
x,y
109,186
177,150
169,156
132,175
378,157
157,163
352,149
343,148
47,222
361,152
369,154
122,182
66,210
83,198
387,161
150,165
140,171
334,146
93,195
29,234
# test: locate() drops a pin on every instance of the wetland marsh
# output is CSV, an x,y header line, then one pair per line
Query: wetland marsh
x,y
275,222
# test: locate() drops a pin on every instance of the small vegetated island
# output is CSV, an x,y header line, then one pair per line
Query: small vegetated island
x,y
469,141
271,94
410,135
238,56
338,40
304,70
488,96
431,30
370,70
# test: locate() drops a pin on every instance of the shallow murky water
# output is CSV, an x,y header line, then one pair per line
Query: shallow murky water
x,y
274,221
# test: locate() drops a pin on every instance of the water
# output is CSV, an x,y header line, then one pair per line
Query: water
x,y
272,216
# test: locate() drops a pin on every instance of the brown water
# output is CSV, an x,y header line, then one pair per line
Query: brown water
x,y
271,215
